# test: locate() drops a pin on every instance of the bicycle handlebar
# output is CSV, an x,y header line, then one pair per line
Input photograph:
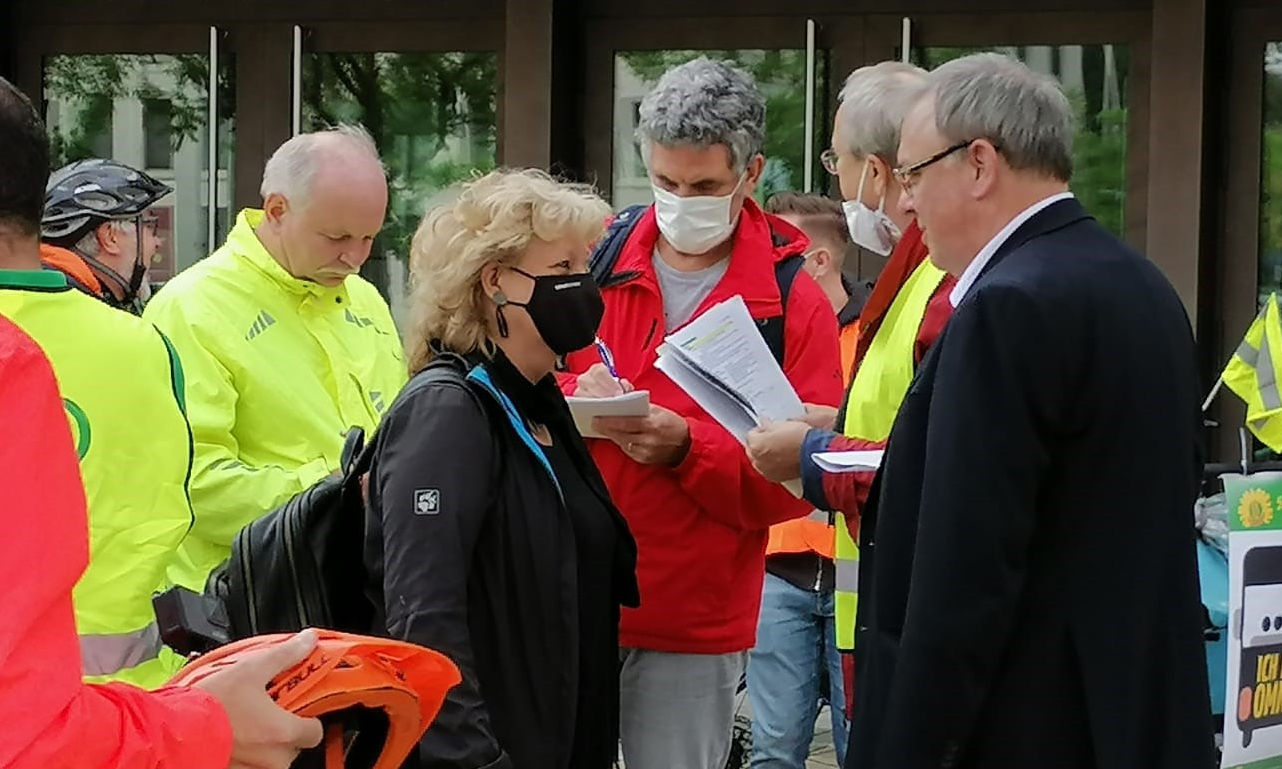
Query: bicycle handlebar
x,y
1219,468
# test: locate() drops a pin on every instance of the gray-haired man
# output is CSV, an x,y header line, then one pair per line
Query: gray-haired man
x,y
697,508
1032,598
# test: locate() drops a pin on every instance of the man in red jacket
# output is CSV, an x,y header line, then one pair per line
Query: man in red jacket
x,y
51,718
699,511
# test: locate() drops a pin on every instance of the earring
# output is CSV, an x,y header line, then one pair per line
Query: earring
x,y
500,320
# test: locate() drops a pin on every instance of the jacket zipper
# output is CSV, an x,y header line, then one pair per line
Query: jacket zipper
x,y
650,335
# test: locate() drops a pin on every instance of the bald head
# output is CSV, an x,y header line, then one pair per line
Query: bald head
x,y
345,153
324,200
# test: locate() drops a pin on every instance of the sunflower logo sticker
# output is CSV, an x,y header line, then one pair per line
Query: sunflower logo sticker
x,y
1255,509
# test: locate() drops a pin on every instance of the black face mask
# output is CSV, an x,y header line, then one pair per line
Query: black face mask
x,y
566,310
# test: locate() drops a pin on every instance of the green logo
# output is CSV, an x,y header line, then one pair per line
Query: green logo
x,y
79,426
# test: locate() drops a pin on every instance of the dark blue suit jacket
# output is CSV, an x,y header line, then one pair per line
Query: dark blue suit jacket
x,y
1028,583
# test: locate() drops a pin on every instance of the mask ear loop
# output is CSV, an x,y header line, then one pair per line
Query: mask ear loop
x,y
863,175
885,190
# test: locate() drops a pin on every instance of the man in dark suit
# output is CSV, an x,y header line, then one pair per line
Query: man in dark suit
x,y
1028,587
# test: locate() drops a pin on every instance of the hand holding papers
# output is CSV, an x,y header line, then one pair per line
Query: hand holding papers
x,y
721,360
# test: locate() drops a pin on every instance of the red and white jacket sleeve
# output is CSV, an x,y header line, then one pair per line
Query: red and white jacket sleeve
x,y
848,492
51,718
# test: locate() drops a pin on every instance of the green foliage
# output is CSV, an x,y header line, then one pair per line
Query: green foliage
x,y
1099,169
781,76
432,115
1099,137
89,84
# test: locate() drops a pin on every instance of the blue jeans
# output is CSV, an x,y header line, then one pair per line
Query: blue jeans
x,y
796,644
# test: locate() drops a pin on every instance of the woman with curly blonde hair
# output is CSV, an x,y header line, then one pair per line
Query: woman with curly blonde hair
x,y
492,536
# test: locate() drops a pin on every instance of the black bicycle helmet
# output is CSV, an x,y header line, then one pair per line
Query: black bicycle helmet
x,y
82,196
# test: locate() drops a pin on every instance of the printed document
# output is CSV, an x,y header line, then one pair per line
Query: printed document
x,y
721,360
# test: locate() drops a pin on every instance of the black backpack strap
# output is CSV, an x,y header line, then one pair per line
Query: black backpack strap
x,y
772,329
358,453
606,253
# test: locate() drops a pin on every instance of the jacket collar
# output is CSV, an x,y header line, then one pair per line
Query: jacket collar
x,y
480,374
73,266
1055,216
244,243
33,280
760,240
856,298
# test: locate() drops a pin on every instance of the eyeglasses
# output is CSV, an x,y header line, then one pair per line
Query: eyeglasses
x,y
829,159
906,175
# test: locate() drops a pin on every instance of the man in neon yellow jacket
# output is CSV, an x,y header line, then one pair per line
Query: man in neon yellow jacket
x,y
284,346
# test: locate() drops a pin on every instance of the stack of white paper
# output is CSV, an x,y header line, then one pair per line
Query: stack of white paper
x,y
632,404
848,461
721,360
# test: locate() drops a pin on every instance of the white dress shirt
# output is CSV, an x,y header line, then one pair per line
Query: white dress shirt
x,y
985,255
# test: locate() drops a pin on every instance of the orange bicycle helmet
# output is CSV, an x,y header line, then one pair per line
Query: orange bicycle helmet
x,y
374,696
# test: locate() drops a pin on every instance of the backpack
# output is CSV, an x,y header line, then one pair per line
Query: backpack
x,y
302,565
606,255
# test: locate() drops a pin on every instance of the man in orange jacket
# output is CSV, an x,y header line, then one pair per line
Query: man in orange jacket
x,y
52,719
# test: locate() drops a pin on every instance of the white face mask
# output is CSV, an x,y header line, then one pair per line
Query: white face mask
x,y
695,225
870,229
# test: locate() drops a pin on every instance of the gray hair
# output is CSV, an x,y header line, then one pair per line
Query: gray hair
x,y
88,245
702,103
292,167
1024,114
874,101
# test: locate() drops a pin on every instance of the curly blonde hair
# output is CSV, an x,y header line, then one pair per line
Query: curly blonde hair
x,y
494,219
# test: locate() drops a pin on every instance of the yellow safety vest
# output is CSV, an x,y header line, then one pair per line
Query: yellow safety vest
x,y
875,394
121,384
278,370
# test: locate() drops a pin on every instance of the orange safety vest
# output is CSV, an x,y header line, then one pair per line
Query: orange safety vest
x,y
849,340
814,533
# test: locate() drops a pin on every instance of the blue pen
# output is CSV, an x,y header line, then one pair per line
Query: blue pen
x,y
607,357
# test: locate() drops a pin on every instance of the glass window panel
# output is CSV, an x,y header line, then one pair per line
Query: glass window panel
x,y
781,76
433,117
157,115
1096,80
1270,278
150,112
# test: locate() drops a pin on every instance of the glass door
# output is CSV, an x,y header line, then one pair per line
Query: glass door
x,y
786,57
427,95
1100,60
1247,262
153,105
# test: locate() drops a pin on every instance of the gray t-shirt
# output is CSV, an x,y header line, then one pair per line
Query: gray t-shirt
x,y
684,291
